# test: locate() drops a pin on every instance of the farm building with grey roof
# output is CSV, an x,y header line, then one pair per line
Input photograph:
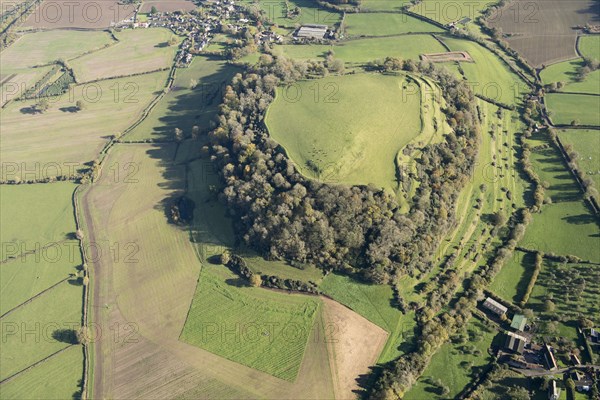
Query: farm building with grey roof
x,y
494,306
312,31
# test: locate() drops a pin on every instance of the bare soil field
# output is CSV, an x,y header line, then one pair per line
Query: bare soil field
x,y
354,346
84,14
543,31
447,57
167,6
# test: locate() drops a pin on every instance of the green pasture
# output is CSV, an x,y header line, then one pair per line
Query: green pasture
x,y
361,51
447,11
512,280
33,215
57,378
566,109
138,51
310,12
347,128
28,332
27,276
65,134
566,72
586,143
382,24
589,46
40,48
488,75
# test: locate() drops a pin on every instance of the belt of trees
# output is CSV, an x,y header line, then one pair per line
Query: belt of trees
x,y
359,229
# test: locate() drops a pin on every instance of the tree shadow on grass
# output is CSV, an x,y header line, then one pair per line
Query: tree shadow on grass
x,y
65,336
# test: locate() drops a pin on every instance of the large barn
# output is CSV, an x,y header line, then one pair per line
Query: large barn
x,y
312,31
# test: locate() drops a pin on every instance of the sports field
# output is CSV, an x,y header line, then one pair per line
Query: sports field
x,y
347,129
138,51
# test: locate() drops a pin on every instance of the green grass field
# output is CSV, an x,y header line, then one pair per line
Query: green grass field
x,y
183,106
586,143
56,378
262,329
39,48
310,13
589,46
455,364
512,280
361,51
62,134
374,303
554,229
566,72
488,75
138,50
381,24
329,139
45,215
28,331
565,108
25,277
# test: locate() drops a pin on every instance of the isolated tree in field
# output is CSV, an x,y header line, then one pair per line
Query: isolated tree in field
x,y
153,10
193,83
80,105
79,234
172,41
255,280
42,106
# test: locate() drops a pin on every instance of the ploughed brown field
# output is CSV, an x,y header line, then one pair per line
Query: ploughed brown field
x,y
83,14
543,31
168,5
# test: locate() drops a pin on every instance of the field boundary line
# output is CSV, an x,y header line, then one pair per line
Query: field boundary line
x,y
85,294
35,364
33,298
